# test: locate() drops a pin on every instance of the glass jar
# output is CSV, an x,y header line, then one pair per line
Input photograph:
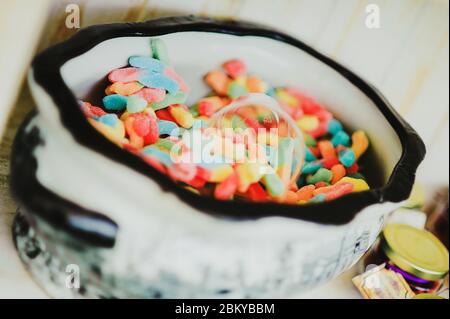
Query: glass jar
x,y
414,253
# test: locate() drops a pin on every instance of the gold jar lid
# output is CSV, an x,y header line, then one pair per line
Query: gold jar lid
x,y
415,251
427,296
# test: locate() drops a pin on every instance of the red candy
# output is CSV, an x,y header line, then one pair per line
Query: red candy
x,y
328,163
226,189
353,169
153,134
165,115
256,193
234,68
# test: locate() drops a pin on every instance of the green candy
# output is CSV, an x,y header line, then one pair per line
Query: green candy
x,y
274,185
165,144
309,140
136,104
236,90
179,98
159,51
194,110
322,175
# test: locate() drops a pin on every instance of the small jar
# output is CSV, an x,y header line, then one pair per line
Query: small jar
x,y
414,253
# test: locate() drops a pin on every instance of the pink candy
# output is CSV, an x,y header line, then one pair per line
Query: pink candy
x,y
124,75
174,76
152,95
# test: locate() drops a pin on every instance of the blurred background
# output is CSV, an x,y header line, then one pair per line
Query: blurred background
x,y
405,55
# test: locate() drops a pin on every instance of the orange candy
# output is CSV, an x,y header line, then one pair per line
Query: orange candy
x,y
338,172
305,193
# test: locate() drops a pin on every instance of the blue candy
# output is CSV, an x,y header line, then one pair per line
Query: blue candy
x,y
163,157
334,126
108,119
156,80
318,198
152,65
168,128
115,102
312,167
347,157
340,138
309,156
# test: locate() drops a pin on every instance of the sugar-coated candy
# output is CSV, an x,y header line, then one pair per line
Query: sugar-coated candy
x,y
152,95
162,156
149,64
248,173
159,51
326,149
309,156
115,102
157,80
256,193
305,193
234,68
311,167
108,119
124,75
334,127
168,128
341,138
226,189
181,115
145,112
170,73
322,175
125,89
236,89
179,98
218,81
347,157
338,172
308,122
274,185
318,198
359,185
136,104
115,133
360,143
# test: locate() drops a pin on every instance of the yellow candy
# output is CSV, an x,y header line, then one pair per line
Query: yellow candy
x,y
241,80
248,173
220,174
285,97
182,116
308,123
256,85
267,138
114,134
360,143
359,185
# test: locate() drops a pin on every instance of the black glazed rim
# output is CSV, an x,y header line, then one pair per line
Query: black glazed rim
x,y
47,65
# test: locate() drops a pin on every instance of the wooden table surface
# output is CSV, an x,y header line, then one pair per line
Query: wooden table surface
x,y
15,282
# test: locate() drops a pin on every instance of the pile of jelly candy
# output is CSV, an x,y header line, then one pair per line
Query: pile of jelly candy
x,y
144,112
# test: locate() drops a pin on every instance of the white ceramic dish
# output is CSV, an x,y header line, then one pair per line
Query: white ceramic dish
x,y
133,233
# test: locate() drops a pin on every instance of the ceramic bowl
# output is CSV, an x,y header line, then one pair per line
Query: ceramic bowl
x,y
90,207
